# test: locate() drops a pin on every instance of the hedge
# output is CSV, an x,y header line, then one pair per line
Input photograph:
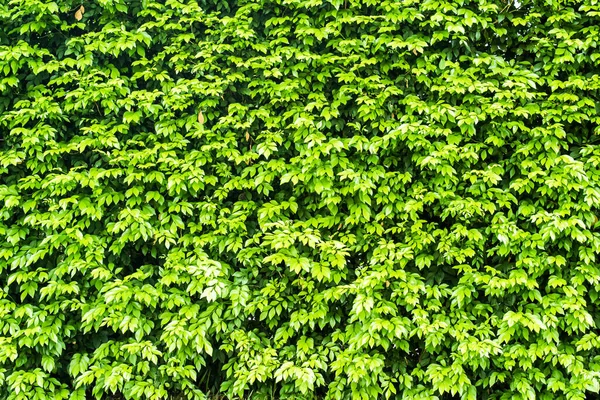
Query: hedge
x,y
299,199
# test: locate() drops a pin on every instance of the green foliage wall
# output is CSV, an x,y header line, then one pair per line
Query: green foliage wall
x,y
299,199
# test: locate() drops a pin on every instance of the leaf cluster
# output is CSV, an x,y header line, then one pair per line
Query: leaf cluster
x,y
299,199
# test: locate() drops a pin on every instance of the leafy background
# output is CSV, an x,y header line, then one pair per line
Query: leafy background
x,y
299,199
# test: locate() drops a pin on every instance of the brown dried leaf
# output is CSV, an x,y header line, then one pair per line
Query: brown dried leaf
x,y
200,117
78,15
82,9
247,136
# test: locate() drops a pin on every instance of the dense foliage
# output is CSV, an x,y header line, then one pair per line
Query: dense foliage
x,y
299,199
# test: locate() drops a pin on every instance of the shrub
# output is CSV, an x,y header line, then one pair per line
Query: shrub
x,y
299,199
